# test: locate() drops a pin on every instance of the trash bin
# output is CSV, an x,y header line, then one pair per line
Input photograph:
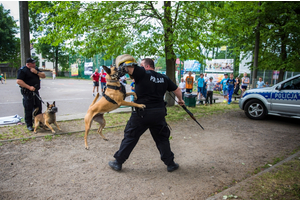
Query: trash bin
x,y
190,100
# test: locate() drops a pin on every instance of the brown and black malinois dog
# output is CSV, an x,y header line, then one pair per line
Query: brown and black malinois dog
x,y
113,97
46,118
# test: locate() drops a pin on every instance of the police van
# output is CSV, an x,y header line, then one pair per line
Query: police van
x,y
282,99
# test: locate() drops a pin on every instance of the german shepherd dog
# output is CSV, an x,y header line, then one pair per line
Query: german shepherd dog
x,y
46,118
113,97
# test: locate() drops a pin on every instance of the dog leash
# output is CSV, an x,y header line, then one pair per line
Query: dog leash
x,y
39,97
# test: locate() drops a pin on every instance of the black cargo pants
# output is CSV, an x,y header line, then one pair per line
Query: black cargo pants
x,y
154,120
30,102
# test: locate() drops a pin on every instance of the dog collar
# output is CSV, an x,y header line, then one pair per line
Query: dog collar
x,y
113,81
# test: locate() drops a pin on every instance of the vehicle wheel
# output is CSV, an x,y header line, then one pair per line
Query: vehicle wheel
x,y
255,109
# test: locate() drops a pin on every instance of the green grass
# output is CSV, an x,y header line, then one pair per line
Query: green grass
x,y
281,183
175,113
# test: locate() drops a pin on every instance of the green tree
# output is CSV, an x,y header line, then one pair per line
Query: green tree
x,y
140,28
8,41
39,26
15,59
278,26
161,64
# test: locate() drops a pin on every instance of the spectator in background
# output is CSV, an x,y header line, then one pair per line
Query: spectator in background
x,y
260,83
245,83
200,87
223,84
205,77
95,76
102,80
1,78
182,87
53,74
132,87
230,87
189,82
237,86
210,90
267,85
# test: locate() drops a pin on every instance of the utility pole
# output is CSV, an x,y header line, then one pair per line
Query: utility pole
x,y
24,31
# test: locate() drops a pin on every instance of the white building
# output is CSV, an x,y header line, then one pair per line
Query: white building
x,y
43,63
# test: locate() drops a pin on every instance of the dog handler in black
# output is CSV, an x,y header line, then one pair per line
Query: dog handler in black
x,y
150,88
28,79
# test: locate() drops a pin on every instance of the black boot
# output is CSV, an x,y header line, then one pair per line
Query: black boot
x,y
115,165
172,167
30,128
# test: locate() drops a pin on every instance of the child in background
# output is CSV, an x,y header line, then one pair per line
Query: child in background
x,y
210,91
223,84
230,87
260,83
267,85
245,83
189,81
200,87
132,85
1,78
237,86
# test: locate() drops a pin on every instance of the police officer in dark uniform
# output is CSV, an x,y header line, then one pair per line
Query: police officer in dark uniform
x,y
29,81
150,88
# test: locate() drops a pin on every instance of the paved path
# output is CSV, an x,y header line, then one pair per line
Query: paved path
x,y
72,97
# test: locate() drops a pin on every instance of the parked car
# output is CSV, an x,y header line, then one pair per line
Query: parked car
x,y
282,99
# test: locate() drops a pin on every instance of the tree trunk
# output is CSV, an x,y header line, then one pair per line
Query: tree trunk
x,y
24,31
283,58
169,52
56,61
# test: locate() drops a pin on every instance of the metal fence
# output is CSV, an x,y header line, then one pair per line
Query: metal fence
x,y
80,61
270,76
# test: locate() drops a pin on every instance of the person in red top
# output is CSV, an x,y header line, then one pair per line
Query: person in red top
x,y
95,76
102,80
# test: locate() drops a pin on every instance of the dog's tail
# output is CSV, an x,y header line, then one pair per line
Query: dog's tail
x,y
96,97
35,111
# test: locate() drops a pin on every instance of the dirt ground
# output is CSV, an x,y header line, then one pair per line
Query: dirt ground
x,y
228,151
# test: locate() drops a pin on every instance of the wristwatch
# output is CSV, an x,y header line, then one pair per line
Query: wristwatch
x,y
37,72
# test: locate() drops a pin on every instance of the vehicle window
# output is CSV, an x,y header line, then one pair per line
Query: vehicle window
x,y
292,84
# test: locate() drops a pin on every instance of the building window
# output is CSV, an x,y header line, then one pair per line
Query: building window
x,y
33,54
43,64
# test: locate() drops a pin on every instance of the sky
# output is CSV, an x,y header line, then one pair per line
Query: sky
x,y
13,6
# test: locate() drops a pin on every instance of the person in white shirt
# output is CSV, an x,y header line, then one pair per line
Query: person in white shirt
x,y
210,90
182,87
205,77
260,83
245,83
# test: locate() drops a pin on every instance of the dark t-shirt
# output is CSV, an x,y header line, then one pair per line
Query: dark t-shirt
x,y
28,77
230,83
150,87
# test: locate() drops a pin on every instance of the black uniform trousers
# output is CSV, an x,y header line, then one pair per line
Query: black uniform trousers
x,y
30,102
154,120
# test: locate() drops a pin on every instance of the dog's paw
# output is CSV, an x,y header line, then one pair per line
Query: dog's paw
x,y
87,148
53,132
